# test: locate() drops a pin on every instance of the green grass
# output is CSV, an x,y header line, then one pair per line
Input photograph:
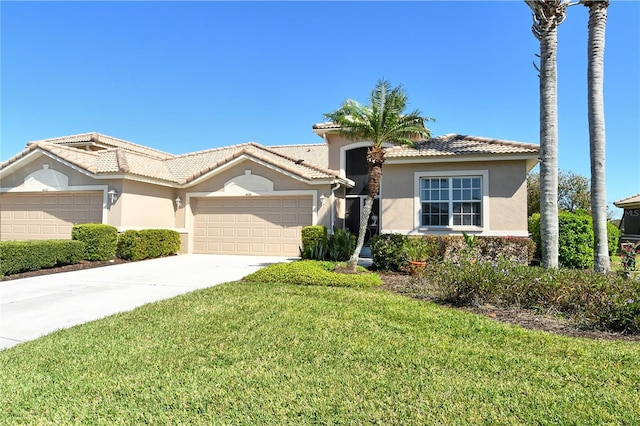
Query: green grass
x,y
247,353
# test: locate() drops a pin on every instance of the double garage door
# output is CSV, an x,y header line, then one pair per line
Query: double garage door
x,y
47,215
250,225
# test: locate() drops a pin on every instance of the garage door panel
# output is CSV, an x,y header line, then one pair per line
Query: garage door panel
x,y
251,225
29,216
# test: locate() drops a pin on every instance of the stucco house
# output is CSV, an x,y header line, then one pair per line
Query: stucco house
x,y
630,223
253,199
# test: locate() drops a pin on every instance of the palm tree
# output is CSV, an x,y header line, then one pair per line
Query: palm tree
x,y
383,121
547,15
597,138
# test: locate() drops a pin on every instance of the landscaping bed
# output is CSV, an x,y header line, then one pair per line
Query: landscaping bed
x,y
402,284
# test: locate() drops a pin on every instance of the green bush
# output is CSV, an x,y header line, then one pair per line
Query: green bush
x,y
340,246
311,272
148,244
576,240
591,300
613,238
314,242
387,252
100,240
23,256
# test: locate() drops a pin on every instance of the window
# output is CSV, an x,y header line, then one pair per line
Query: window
x,y
451,201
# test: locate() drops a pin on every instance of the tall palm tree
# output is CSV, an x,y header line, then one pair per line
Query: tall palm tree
x,y
547,15
383,121
597,138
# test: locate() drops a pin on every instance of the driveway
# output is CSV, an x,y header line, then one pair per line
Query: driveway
x,y
33,307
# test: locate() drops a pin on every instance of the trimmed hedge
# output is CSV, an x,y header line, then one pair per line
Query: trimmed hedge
x,y
311,272
314,242
23,256
576,240
387,250
100,240
148,244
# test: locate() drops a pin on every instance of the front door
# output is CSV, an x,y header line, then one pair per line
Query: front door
x,y
354,204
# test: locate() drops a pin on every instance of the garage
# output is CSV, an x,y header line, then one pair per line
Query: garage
x,y
259,225
29,216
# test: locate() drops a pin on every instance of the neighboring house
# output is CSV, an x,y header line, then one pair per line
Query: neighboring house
x,y
252,199
630,223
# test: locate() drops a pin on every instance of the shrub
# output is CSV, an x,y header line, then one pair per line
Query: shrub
x,y
100,240
314,242
613,237
591,300
148,244
387,252
22,256
311,272
340,246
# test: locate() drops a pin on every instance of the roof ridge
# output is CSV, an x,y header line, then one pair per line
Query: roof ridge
x,y
98,138
206,151
484,139
296,145
295,160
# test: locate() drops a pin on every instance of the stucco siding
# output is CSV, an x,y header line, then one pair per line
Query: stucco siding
x,y
146,206
507,195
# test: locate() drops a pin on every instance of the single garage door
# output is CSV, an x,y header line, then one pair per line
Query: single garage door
x,y
47,216
250,225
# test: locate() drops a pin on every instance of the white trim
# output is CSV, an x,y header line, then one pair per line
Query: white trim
x,y
417,205
189,216
78,188
453,232
248,157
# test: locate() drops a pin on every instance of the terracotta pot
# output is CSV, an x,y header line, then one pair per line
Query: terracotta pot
x,y
416,267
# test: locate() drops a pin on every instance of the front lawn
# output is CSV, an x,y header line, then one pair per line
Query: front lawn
x,y
251,353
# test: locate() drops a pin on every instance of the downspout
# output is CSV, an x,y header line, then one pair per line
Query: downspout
x,y
333,205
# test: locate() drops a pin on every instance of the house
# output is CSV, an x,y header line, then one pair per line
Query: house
x,y
630,223
253,199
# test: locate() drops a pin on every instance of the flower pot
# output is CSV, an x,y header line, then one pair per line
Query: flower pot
x,y
416,267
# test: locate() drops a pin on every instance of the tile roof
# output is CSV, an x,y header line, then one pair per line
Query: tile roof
x,y
94,139
628,202
454,144
104,155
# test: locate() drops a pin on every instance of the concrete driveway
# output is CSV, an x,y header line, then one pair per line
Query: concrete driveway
x,y
33,307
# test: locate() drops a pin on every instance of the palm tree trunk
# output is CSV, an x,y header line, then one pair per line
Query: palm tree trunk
x,y
549,231
375,159
364,220
597,138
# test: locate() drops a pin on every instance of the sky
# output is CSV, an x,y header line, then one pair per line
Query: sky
x,y
188,76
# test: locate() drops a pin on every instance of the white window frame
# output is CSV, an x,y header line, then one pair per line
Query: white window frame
x,y
448,174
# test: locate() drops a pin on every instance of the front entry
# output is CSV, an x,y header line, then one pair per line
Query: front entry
x,y
354,204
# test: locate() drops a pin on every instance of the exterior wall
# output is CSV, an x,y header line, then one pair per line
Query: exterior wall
x,y
336,142
145,205
277,184
507,196
215,186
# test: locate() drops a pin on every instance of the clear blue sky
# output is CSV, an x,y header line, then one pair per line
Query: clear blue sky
x,y
182,77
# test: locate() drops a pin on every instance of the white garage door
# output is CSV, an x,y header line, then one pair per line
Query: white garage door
x,y
47,216
251,225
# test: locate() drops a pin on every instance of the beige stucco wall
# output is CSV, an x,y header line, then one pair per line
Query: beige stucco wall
x,y
146,206
36,162
507,195
214,185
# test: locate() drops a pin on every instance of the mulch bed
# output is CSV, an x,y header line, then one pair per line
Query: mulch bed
x,y
85,264
526,319
397,283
